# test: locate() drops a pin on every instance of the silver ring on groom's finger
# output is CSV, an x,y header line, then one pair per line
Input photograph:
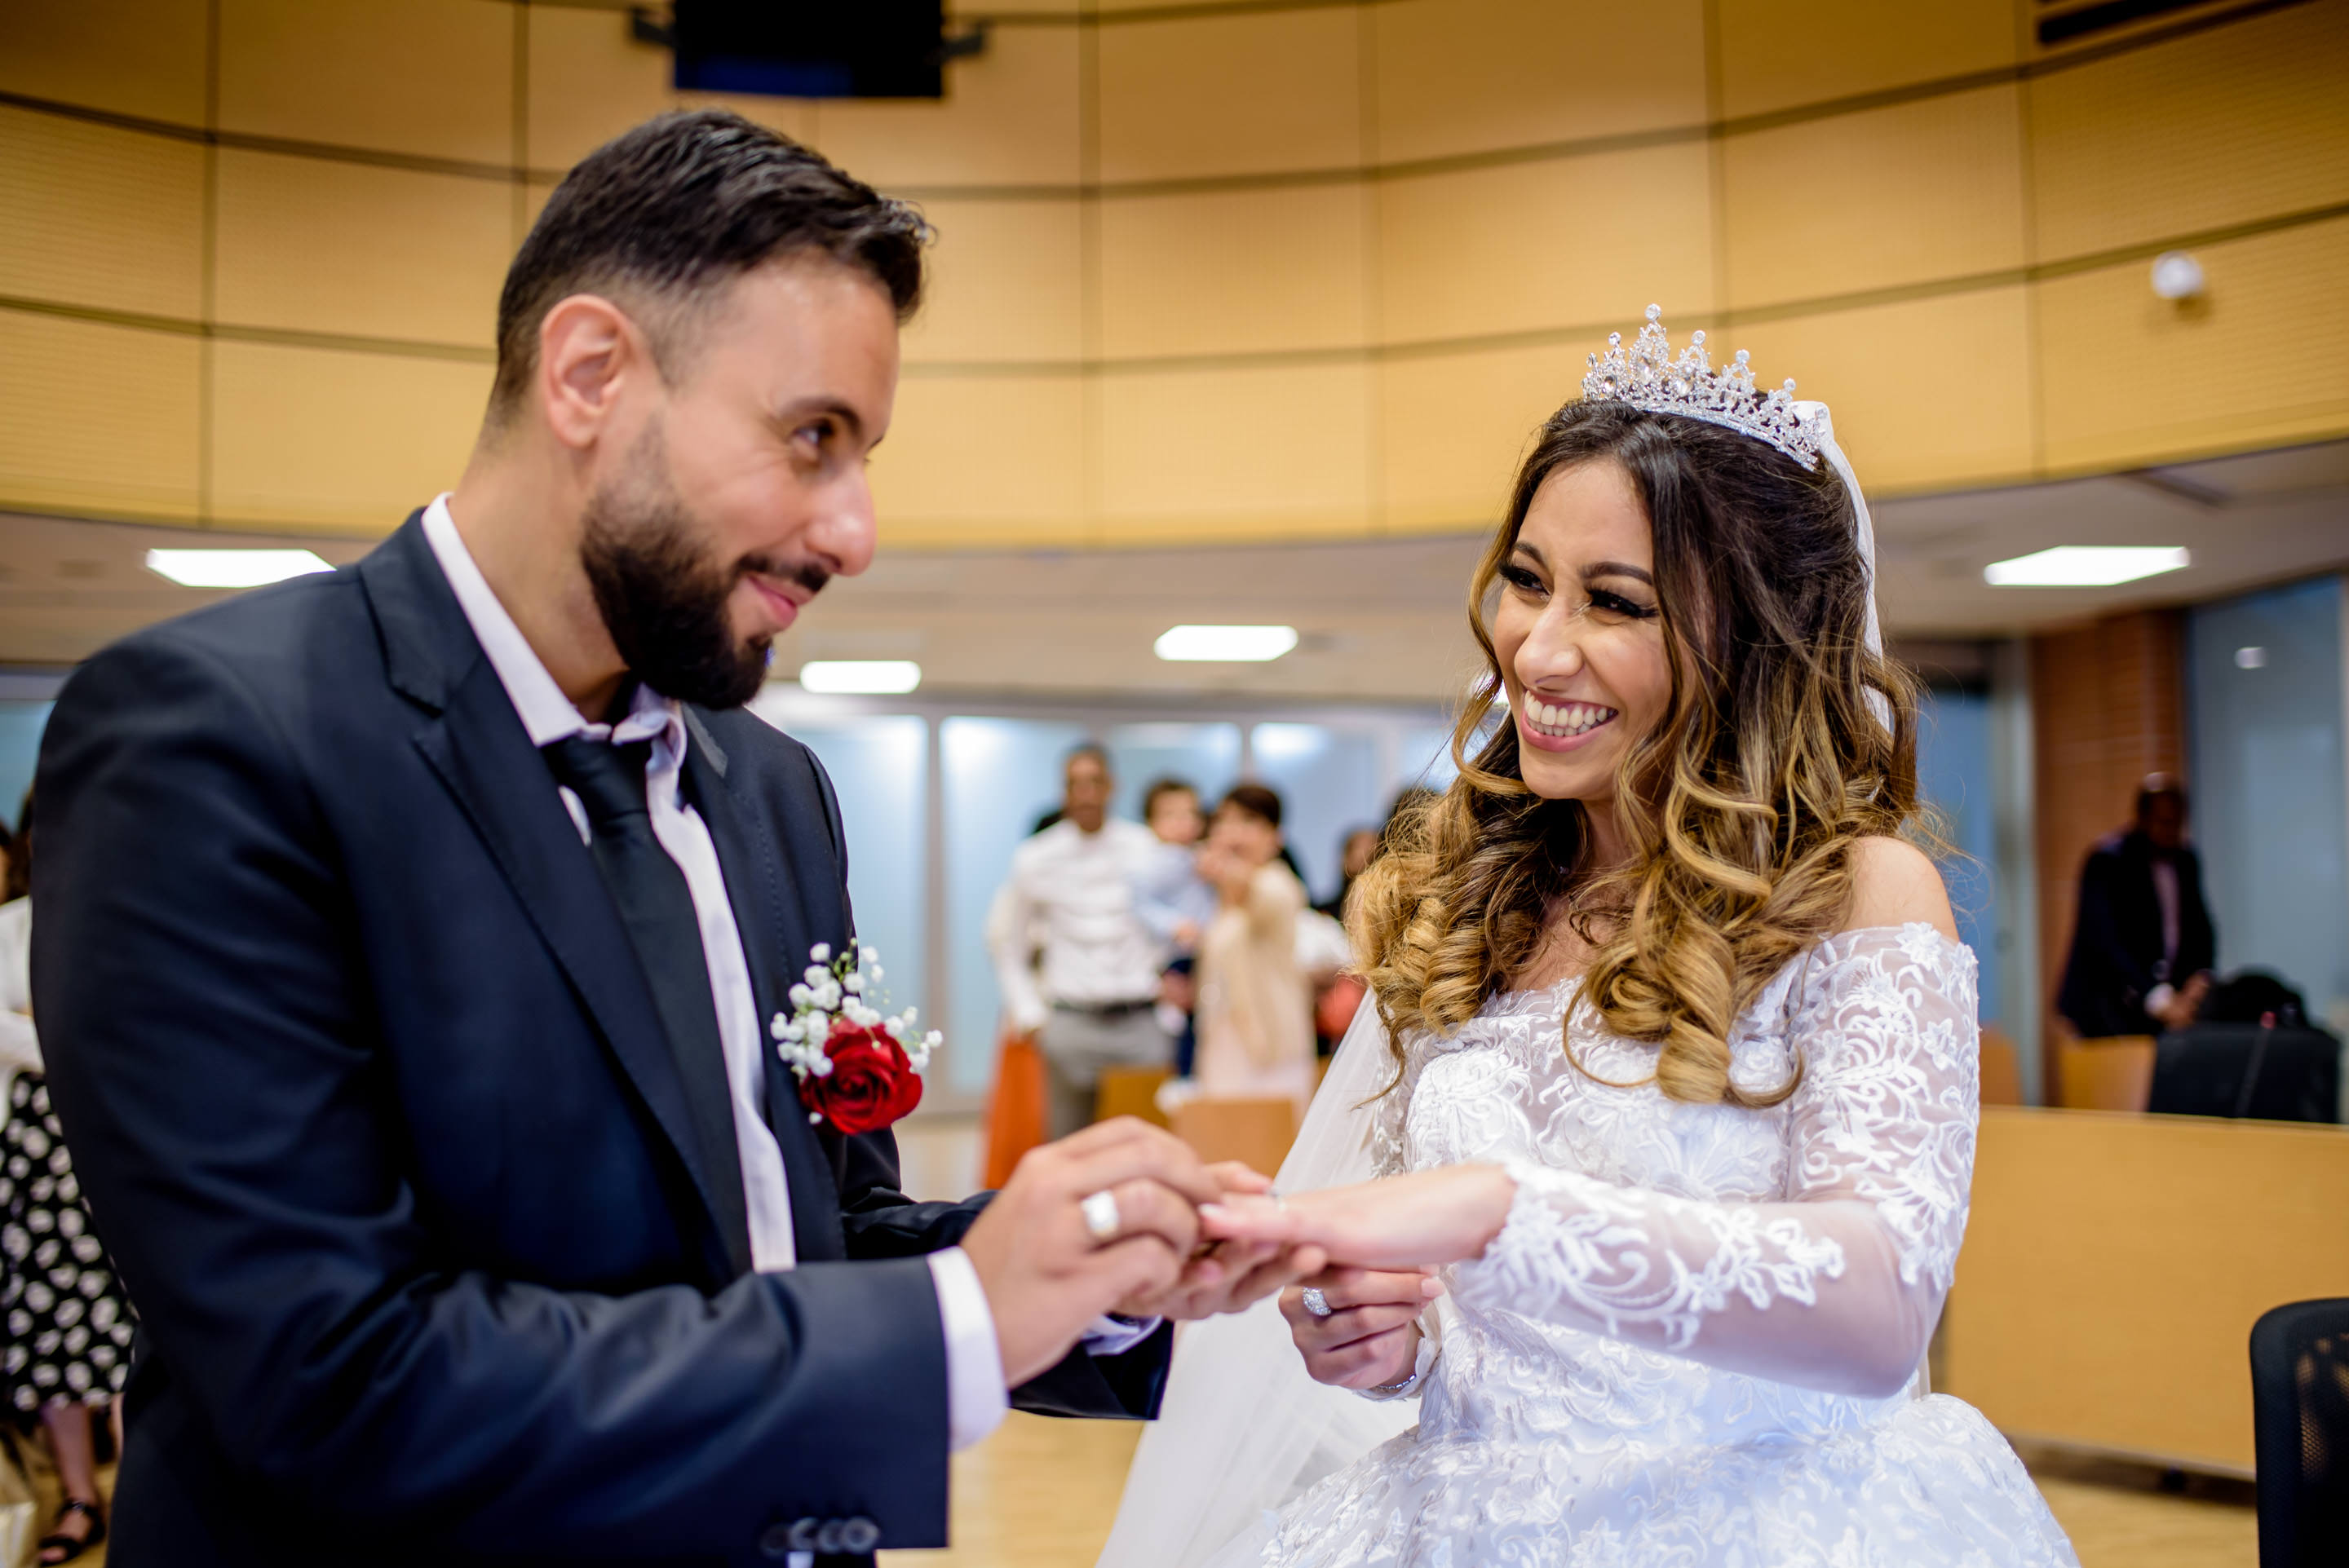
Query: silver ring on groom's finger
x,y
1316,1303
1102,1221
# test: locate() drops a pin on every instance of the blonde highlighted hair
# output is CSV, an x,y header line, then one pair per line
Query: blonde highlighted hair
x,y
1774,759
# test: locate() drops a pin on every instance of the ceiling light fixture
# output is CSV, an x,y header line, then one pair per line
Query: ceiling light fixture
x,y
860,677
233,567
1226,645
2085,566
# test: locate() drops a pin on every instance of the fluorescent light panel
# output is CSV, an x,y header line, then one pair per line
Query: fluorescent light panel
x,y
862,677
1226,645
2085,566
233,567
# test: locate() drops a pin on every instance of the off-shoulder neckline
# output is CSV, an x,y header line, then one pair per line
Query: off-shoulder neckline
x,y
1898,932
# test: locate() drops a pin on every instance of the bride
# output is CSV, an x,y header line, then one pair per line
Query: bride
x,y
1671,1090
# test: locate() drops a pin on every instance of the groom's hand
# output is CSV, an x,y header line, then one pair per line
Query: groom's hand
x,y
1229,1276
1047,1276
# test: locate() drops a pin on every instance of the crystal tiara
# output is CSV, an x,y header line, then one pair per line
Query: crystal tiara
x,y
1648,377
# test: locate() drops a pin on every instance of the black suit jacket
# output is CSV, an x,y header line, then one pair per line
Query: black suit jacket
x,y
2116,939
368,1091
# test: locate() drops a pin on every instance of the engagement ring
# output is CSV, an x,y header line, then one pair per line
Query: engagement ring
x,y
1316,1303
1101,1220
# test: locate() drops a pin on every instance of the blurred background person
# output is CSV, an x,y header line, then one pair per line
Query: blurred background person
x,y
1176,904
1091,998
1354,856
69,1324
2142,945
1256,1000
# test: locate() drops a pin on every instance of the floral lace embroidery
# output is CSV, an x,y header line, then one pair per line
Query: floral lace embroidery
x,y
1573,1242
1558,1427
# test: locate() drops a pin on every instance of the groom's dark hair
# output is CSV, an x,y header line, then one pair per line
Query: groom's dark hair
x,y
659,217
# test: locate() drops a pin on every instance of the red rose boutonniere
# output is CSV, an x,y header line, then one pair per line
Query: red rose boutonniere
x,y
858,1070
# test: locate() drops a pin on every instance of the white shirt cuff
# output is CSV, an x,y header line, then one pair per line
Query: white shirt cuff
x,y
2157,998
976,1399
1116,1336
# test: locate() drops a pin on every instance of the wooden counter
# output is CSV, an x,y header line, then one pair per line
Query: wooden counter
x,y
2114,1265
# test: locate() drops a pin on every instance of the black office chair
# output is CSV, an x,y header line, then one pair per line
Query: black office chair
x,y
2300,1424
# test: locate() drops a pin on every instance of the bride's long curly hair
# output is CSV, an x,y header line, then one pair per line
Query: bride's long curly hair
x,y
1741,807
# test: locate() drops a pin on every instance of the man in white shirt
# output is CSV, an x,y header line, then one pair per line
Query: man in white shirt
x,y
412,939
1091,999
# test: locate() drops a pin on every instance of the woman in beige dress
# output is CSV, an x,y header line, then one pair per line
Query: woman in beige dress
x,y
1255,1005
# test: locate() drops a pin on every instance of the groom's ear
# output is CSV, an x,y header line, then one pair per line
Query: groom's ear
x,y
591,353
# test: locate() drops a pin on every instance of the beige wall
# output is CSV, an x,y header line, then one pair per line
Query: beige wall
x,y
1204,271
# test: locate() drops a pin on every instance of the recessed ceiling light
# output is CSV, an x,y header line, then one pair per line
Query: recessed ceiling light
x,y
2085,566
862,677
1226,645
233,567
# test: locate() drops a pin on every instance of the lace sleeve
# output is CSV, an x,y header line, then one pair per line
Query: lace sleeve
x,y
1839,1285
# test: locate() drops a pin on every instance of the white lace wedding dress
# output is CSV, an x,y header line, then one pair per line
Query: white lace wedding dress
x,y
1696,1340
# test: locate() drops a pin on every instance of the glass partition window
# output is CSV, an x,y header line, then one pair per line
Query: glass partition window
x,y
1331,781
880,768
1207,756
1955,774
2265,710
1001,775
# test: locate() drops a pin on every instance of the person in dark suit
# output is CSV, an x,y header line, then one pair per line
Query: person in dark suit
x,y
410,937
2142,945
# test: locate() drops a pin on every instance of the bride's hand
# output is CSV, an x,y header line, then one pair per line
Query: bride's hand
x,y
1228,1276
1430,1217
1369,1337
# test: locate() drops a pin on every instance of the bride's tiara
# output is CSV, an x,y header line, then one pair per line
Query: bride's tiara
x,y
1648,376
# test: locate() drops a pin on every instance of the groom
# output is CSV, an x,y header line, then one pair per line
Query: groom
x,y
409,938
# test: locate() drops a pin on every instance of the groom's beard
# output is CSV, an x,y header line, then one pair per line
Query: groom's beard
x,y
662,602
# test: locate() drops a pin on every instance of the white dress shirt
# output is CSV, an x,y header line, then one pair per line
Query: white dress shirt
x,y
975,1396
1073,893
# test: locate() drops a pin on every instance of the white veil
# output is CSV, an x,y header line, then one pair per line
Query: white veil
x,y
1243,1429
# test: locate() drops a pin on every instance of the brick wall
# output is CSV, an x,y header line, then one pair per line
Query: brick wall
x,y
2108,706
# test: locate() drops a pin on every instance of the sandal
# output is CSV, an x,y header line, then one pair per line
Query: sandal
x,y
73,1546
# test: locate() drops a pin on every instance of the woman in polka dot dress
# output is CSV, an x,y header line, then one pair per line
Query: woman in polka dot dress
x,y
68,1324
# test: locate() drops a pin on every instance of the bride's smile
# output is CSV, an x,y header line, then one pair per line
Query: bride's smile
x,y
1578,633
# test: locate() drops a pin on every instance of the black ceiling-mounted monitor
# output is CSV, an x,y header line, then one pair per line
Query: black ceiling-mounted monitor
x,y
812,48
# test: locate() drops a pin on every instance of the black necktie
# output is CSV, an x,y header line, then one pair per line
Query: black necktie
x,y
657,906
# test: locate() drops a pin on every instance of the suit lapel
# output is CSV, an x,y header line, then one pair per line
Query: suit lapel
x,y
764,888
476,743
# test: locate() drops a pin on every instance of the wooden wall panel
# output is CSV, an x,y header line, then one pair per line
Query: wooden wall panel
x,y
98,419
992,459
1562,243
314,438
433,77
1926,190
2114,1265
1011,120
1256,93
2217,128
1257,452
1776,54
91,215
2261,360
132,57
1234,272
2107,708
589,81
1928,394
1007,284
1474,75
347,248
1454,428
